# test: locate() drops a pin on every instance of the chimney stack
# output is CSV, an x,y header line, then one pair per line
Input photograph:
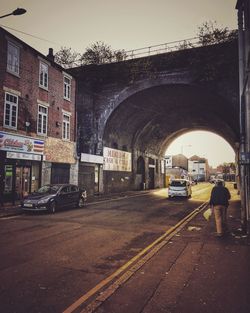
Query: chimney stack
x,y
51,56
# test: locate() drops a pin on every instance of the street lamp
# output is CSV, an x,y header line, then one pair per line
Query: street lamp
x,y
18,11
184,146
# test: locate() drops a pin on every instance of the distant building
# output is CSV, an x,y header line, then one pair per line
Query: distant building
x,y
168,161
176,167
198,168
179,160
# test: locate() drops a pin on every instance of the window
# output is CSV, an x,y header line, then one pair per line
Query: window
x,y
178,183
124,148
13,58
43,75
66,127
10,110
42,120
74,188
66,87
115,145
65,189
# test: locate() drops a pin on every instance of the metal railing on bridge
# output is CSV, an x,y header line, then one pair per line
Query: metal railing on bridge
x,y
162,48
189,43
177,45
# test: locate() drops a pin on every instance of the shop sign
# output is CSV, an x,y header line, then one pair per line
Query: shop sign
x,y
162,166
9,142
23,156
245,157
116,160
91,158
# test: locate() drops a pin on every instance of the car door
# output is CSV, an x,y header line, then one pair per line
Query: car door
x,y
75,194
64,197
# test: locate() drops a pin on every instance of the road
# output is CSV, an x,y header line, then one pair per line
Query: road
x,y
49,261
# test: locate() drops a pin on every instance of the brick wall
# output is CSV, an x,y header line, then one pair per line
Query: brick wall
x,y
28,85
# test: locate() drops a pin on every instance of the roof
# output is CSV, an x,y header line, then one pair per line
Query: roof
x,y
59,67
238,4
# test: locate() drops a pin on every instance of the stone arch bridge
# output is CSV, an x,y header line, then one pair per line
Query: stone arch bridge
x,y
140,106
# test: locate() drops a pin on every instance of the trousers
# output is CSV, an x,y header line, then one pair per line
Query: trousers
x,y
220,215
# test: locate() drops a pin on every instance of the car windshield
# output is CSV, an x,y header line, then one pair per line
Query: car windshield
x,y
178,183
49,189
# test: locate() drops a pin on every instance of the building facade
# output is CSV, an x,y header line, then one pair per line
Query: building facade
x,y
37,120
198,168
176,167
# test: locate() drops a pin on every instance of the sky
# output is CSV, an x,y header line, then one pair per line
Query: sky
x,y
121,24
216,150
127,25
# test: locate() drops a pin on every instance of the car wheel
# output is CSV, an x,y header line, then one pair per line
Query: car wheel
x,y
81,203
52,207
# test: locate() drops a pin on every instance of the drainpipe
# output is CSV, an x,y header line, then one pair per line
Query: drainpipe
x,y
241,45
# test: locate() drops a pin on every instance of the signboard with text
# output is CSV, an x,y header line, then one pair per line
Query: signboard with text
x,y
90,158
14,143
24,156
116,160
245,157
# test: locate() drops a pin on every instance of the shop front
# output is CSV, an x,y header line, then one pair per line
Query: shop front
x,y
117,170
91,173
20,166
59,162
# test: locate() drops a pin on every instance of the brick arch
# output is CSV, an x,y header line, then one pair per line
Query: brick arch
x,y
172,78
182,107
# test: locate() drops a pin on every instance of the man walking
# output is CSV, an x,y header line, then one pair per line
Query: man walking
x,y
219,202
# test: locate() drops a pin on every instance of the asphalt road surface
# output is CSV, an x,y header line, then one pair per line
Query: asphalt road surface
x,y
48,261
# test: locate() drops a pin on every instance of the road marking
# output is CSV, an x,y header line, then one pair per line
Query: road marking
x,y
118,198
157,245
9,217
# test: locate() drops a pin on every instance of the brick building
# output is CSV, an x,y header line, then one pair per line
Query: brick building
x,y
37,120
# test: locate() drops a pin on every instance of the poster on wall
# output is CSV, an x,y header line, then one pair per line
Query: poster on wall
x,y
116,160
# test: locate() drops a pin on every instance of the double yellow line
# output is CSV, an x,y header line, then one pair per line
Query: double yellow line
x,y
156,245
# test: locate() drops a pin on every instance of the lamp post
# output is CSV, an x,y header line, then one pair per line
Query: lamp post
x,y
184,146
18,11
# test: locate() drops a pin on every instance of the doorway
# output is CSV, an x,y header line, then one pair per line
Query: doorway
x,y
141,182
23,180
151,173
97,179
60,173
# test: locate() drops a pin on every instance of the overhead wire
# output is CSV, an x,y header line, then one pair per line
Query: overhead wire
x,y
27,34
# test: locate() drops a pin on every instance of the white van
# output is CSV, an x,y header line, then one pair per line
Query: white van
x,y
179,188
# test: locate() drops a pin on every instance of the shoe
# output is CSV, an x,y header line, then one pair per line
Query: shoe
x,y
219,235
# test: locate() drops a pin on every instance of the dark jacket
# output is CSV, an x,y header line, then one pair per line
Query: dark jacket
x,y
220,196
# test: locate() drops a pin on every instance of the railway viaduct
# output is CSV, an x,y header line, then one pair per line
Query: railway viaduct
x,y
138,107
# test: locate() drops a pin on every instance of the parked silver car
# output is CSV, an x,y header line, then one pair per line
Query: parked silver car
x,y
179,188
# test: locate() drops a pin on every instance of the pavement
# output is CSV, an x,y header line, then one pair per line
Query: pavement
x,y
194,272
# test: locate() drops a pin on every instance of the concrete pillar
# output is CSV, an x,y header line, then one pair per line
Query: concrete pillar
x,y
46,173
74,168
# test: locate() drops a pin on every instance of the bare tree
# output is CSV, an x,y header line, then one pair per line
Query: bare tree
x,y
67,58
97,53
